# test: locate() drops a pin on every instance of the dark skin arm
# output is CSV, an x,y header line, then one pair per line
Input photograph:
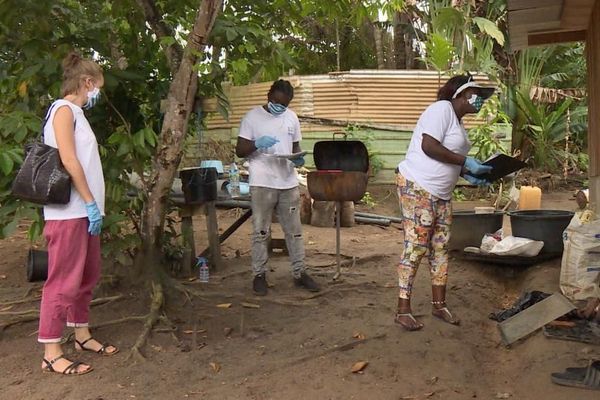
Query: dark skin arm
x,y
245,147
435,150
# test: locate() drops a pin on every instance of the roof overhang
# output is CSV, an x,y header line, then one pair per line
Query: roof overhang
x,y
540,22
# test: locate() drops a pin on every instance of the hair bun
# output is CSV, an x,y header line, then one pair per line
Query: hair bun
x,y
71,61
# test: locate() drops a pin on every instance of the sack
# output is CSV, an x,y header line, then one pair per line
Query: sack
x,y
42,179
580,266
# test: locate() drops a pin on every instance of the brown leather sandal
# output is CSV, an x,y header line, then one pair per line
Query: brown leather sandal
x,y
416,325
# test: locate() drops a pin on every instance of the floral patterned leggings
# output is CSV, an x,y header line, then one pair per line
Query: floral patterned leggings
x,y
426,223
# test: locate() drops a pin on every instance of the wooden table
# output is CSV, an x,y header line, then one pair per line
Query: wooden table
x,y
213,251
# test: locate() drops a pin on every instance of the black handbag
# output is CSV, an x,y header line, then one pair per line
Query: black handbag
x,y
42,179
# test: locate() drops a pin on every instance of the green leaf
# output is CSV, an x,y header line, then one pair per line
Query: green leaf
x,y
6,163
487,26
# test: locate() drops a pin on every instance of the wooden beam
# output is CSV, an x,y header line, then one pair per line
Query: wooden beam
x,y
576,14
535,15
525,4
536,39
593,81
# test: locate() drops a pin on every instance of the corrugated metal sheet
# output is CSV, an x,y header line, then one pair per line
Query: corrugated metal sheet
x,y
390,97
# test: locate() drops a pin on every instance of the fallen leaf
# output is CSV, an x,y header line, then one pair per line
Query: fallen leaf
x,y
409,397
432,380
359,336
503,395
428,394
190,331
2,276
192,279
224,305
249,305
310,243
390,285
157,348
359,366
215,367
120,386
227,331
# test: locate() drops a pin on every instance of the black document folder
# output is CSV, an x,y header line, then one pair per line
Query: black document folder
x,y
502,165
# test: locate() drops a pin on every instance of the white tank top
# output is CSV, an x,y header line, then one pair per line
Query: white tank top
x,y
86,149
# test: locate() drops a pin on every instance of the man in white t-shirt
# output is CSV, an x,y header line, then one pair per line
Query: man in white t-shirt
x,y
266,133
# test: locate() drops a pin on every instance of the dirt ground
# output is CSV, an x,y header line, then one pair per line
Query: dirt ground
x,y
298,346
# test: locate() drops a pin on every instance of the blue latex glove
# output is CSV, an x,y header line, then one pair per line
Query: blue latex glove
x,y
475,167
264,142
476,181
298,162
95,218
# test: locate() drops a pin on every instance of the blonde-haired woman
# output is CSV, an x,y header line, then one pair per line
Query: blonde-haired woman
x,y
72,230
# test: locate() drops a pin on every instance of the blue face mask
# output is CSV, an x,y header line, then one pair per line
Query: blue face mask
x,y
92,98
476,101
276,109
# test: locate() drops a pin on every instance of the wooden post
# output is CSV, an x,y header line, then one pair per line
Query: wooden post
x,y
593,79
212,229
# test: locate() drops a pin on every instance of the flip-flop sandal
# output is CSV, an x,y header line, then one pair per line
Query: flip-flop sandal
x,y
417,325
584,378
102,351
445,315
70,370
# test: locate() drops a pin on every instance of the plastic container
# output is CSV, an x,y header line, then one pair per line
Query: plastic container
x,y
212,164
234,180
469,228
37,265
530,198
544,225
199,185
203,272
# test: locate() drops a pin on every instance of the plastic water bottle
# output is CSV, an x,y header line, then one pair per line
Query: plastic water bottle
x,y
234,180
203,273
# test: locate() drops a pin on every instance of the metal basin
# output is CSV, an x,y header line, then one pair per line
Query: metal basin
x,y
337,185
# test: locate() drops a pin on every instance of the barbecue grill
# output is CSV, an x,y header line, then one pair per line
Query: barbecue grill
x,y
342,174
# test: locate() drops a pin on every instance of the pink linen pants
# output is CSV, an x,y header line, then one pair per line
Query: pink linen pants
x,y
73,271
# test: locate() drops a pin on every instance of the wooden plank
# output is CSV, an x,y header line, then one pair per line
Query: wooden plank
x,y
189,252
577,14
535,15
525,4
534,317
556,37
593,79
212,230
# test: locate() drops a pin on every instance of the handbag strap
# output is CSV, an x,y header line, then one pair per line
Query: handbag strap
x,y
48,116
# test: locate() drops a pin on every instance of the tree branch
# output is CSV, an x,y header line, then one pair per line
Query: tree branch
x,y
174,52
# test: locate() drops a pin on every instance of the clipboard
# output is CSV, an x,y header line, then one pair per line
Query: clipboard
x,y
502,165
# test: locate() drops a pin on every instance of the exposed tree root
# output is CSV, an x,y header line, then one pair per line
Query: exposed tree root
x,y
23,301
158,299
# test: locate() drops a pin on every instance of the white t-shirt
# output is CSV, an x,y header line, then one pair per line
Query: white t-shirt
x,y
440,122
86,149
268,171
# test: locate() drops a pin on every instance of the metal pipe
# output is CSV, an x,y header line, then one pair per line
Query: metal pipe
x,y
338,217
373,221
376,216
233,203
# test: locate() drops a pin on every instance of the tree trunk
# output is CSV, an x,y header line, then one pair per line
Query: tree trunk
x,y
399,42
180,103
378,46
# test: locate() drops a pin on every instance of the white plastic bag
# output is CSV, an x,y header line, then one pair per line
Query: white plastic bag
x,y
580,266
517,246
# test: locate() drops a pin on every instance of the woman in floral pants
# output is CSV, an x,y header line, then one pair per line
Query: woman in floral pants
x,y
435,159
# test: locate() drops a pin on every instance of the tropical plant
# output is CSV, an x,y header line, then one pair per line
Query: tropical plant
x,y
546,128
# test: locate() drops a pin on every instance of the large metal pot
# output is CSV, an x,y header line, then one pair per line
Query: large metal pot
x,y
337,185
